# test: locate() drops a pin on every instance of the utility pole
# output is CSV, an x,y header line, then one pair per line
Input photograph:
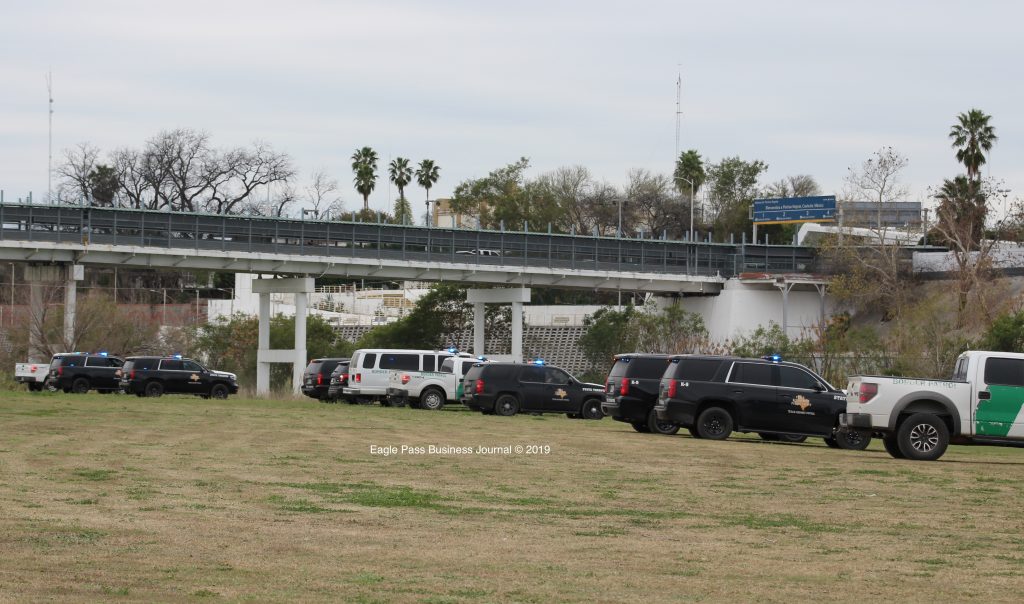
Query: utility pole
x,y
49,161
679,112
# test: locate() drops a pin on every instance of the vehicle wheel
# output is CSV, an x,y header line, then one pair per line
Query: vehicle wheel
x,y
80,386
693,432
431,400
219,391
592,409
853,440
792,438
892,447
640,426
769,436
507,405
658,426
923,437
154,389
51,387
714,423
573,415
830,442
34,387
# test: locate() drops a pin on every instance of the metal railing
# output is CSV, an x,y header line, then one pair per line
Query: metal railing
x,y
519,251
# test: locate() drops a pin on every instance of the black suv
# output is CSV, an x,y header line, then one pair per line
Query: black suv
x,y
508,388
80,372
632,389
339,379
713,396
154,376
316,379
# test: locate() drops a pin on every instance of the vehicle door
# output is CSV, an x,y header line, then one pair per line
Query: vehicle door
x,y
751,388
534,390
195,376
804,404
564,395
1000,397
173,376
101,372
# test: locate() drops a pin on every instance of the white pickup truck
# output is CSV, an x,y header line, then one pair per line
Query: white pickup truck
x,y
430,389
31,374
918,418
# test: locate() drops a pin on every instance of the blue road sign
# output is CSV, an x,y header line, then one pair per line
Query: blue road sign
x,y
795,209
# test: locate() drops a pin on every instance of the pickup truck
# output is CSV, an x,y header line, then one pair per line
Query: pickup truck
x,y
430,389
31,374
918,418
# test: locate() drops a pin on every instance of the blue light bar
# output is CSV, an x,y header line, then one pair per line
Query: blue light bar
x,y
177,356
453,350
538,361
775,358
481,358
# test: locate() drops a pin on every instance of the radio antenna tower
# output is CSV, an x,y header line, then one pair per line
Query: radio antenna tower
x,y
679,112
49,162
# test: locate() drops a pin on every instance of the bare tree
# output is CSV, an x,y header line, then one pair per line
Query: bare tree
x,y
801,185
653,205
79,162
877,179
322,195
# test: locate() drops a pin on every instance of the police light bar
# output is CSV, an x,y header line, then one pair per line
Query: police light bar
x,y
177,356
538,361
481,358
453,350
775,358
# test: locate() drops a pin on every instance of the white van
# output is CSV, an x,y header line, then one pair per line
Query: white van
x,y
370,369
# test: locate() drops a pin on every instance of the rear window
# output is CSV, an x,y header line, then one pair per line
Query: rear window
x,y
1004,372
751,373
143,364
647,367
313,367
695,370
340,369
369,360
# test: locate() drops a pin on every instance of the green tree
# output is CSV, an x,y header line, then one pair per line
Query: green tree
x,y
401,174
506,196
689,166
609,332
103,183
1005,334
972,137
402,211
733,185
364,166
427,175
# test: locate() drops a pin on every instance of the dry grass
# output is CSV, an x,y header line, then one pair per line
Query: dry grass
x,y
120,498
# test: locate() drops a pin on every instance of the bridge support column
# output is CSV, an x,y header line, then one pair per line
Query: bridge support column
x,y
75,273
516,297
478,329
38,278
265,355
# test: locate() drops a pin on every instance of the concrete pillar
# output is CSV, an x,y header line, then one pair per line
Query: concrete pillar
x,y
263,367
517,332
265,355
75,273
478,329
300,342
39,277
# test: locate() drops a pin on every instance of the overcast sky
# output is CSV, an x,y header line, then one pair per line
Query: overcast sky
x,y
808,87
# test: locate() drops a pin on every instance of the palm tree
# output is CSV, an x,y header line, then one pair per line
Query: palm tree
x,y
364,165
426,175
972,138
689,166
401,175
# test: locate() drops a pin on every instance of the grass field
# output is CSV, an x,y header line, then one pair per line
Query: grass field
x,y
118,498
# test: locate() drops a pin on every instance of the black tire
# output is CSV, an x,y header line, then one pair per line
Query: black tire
x,y
154,389
640,426
219,391
831,442
591,409
431,399
792,438
507,405
853,440
693,432
922,437
80,386
769,436
658,426
892,447
34,386
714,423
